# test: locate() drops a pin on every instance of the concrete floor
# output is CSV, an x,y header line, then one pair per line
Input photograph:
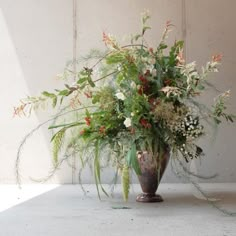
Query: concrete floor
x,y
49,210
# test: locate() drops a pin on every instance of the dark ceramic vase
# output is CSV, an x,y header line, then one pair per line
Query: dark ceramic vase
x,y
152,170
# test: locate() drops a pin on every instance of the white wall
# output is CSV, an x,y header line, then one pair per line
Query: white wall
x,y
211,30
36,42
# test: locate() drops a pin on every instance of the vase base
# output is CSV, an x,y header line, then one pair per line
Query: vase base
x,y
148,197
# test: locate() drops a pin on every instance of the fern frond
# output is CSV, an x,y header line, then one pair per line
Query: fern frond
x,y
125,182
57,144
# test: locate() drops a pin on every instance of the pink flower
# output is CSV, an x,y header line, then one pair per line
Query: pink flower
x,y
151,50
88,94
82,132
168,24
88,120
217,58
109,41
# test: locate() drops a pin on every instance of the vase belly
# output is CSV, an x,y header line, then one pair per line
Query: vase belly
x,y
152,170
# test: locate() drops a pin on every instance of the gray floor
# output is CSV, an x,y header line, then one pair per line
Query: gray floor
x,y
65,210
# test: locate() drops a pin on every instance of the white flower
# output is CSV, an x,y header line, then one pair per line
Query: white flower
x,y
195,74
127,122
120,96
132,114
133,85
146,68
154,72
152,61
119,68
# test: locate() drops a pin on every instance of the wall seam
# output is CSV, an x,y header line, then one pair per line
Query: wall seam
x,y
184,26
74,24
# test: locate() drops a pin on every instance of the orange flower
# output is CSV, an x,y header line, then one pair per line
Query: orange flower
x,y
105,38
102,130
145,123
88,120
109,41
144,88
20,110
217,58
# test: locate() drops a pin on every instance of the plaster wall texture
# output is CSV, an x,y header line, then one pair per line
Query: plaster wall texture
x,y
36,42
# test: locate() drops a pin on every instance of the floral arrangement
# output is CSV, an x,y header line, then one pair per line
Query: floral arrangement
x,y
134,97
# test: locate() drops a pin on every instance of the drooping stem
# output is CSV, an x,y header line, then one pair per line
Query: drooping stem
x,y
105,76
125,46
28,135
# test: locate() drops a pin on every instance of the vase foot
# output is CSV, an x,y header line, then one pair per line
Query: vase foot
x,y
148,197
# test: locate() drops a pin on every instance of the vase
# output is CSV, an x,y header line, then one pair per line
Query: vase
x,y
152,169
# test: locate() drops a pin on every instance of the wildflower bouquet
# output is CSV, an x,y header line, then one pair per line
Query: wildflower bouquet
x,y
134,97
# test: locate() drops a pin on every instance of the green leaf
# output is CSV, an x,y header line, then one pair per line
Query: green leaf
x,y
52,96
83,86
115,58
97,169
162,46
95,99
54,101
87,113
136,37
132,160
61,100
119,78
64,92
82,80
145,18
92,84
47,94
145,28
231,118
200,87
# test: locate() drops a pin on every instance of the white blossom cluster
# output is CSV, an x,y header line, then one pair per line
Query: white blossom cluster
x,y
190,127
190,151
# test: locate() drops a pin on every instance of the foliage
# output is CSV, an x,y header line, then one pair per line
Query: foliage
x,y
125,182
134,97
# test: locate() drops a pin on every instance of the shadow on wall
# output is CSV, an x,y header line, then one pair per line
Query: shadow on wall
x,y
41,42
37,42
